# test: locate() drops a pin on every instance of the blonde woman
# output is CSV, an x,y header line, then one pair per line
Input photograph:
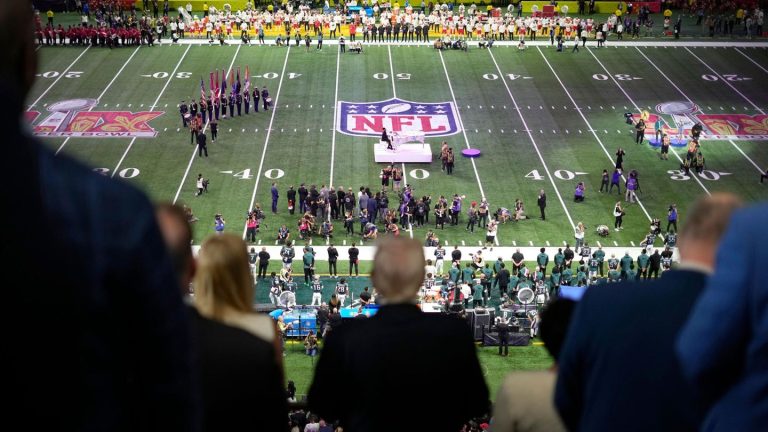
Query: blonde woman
x,y
618,214
224,289
240,368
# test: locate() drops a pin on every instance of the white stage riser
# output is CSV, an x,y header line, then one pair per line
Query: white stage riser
x,y
405,153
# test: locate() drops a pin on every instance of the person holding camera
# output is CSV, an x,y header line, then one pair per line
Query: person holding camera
x,y
672,217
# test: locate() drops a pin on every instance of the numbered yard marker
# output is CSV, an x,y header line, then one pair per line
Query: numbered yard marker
x,y
126,173
620,77
728,77
534,175
274,173
243,175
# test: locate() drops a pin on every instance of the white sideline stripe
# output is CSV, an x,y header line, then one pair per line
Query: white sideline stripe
x,y
335,117
599,141
269,133
102,95
461,123
58,78
533,141
130,145
640,110
689,100
511,43
194,150
752,60
394,94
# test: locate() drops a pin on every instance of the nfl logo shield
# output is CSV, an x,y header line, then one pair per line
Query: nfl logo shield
x,y
397,115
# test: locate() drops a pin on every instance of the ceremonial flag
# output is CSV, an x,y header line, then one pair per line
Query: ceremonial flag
x,y
232,79
213,92
223,83
202,88
247,79
237,83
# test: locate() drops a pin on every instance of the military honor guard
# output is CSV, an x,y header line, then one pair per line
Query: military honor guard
x,y
256,99
184,112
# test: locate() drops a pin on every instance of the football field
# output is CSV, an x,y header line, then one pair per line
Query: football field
x,y
542,120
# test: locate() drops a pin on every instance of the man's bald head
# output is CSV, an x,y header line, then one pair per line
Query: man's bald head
x,y
398,269
705,224
17,70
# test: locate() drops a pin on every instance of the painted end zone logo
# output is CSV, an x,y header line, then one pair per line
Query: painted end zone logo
x,y
397,115
73,118
685,115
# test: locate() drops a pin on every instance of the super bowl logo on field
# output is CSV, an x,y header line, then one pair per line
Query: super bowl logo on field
x,y
397,115
74,118
684,115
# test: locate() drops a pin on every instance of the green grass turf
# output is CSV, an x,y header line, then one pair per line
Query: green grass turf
x,y
299,367
301,139
560,137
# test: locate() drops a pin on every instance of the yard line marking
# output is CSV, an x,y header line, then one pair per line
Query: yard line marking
x,y
335,117
535,146
759,169
394,94
750,59
173,74
102,94
461,123
59,77
608,155
728,83
194,150
640,110
269,132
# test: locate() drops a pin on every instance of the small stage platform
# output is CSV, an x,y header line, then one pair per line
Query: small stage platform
x,y
409,153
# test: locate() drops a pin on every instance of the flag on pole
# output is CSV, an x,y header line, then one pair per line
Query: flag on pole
x,y
223,91
247,79
232,79
213,92
202,88
237,83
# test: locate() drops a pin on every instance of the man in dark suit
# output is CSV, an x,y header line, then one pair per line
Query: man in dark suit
x,y
98,338
722,346
618,369
374,358
502,327
202,146
542,202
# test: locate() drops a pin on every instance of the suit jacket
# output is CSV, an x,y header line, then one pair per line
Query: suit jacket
x,y
723,345
240,381
95,336
618,370
371,377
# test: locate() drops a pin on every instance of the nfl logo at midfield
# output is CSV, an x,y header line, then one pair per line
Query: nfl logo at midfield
x,y
397,115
